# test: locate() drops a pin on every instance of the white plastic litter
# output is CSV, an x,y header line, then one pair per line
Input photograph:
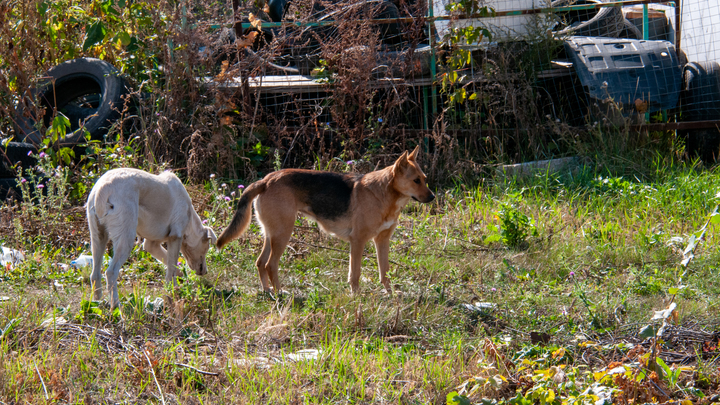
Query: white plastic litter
x,y
82,261
305,354
61,266
480,306
11,256
53,321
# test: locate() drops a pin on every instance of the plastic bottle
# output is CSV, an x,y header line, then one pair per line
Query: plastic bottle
x,y
11,256
82,261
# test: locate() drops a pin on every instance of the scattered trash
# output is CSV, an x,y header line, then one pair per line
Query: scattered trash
x,y
603,393
305,354
82,261
481,311
263,362
480,306
55,320
11,257
676,240
4,298
259,362
156,306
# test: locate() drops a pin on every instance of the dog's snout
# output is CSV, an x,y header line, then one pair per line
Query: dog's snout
x,y
426,198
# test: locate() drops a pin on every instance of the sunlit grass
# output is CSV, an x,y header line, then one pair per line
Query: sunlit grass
x,y
605,253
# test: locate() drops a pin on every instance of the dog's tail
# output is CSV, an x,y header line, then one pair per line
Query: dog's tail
x,y
243,214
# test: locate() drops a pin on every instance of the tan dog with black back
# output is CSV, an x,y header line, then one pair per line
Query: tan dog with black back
x,y
353,207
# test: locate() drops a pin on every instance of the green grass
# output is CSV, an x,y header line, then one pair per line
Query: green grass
x,y
598,257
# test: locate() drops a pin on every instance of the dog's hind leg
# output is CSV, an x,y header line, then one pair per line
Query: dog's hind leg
x,y
262,262
121,224
98,244
279,242
268,263
278,221
122,246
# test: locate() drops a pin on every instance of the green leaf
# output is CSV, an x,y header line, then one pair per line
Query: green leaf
x,y
673,290
42,7
455,398
715,218
123,38
95,34
647,331
660,362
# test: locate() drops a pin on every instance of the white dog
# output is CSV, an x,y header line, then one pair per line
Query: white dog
x,y
128,202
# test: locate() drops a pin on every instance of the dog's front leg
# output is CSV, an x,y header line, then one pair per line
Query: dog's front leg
x,y
356,254
173,252
156,250
382,245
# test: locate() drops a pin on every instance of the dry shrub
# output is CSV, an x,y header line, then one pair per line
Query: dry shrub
x,y
179,119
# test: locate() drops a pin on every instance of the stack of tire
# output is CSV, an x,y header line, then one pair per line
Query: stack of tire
x,y
89,92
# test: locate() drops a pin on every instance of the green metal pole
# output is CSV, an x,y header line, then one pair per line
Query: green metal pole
x,y
433,70
646,34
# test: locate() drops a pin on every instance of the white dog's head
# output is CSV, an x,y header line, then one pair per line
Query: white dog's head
x,y
195,249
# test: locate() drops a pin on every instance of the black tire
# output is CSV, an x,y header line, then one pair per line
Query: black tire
x,y
82,87
603,22
700,101
16,153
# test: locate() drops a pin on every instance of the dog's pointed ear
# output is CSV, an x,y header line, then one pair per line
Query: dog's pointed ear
x,y
414,154
210,235
401,163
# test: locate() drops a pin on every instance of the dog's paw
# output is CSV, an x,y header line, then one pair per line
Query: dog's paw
x,y
265,296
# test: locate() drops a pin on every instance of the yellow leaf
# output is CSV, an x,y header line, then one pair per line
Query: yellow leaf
x,y
223,71
255,21
247,40
558,353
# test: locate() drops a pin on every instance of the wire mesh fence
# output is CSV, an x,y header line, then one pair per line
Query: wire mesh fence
x,y
499,80
302,83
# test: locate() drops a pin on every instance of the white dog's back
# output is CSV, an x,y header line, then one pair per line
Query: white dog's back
x,y
122,195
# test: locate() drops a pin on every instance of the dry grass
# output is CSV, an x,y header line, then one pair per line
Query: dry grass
x,y
585,274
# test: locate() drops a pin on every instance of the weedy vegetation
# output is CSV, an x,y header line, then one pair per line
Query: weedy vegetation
x,y
545,290
597,285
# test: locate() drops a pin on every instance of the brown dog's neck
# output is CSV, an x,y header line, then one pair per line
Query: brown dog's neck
x,y
381,184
